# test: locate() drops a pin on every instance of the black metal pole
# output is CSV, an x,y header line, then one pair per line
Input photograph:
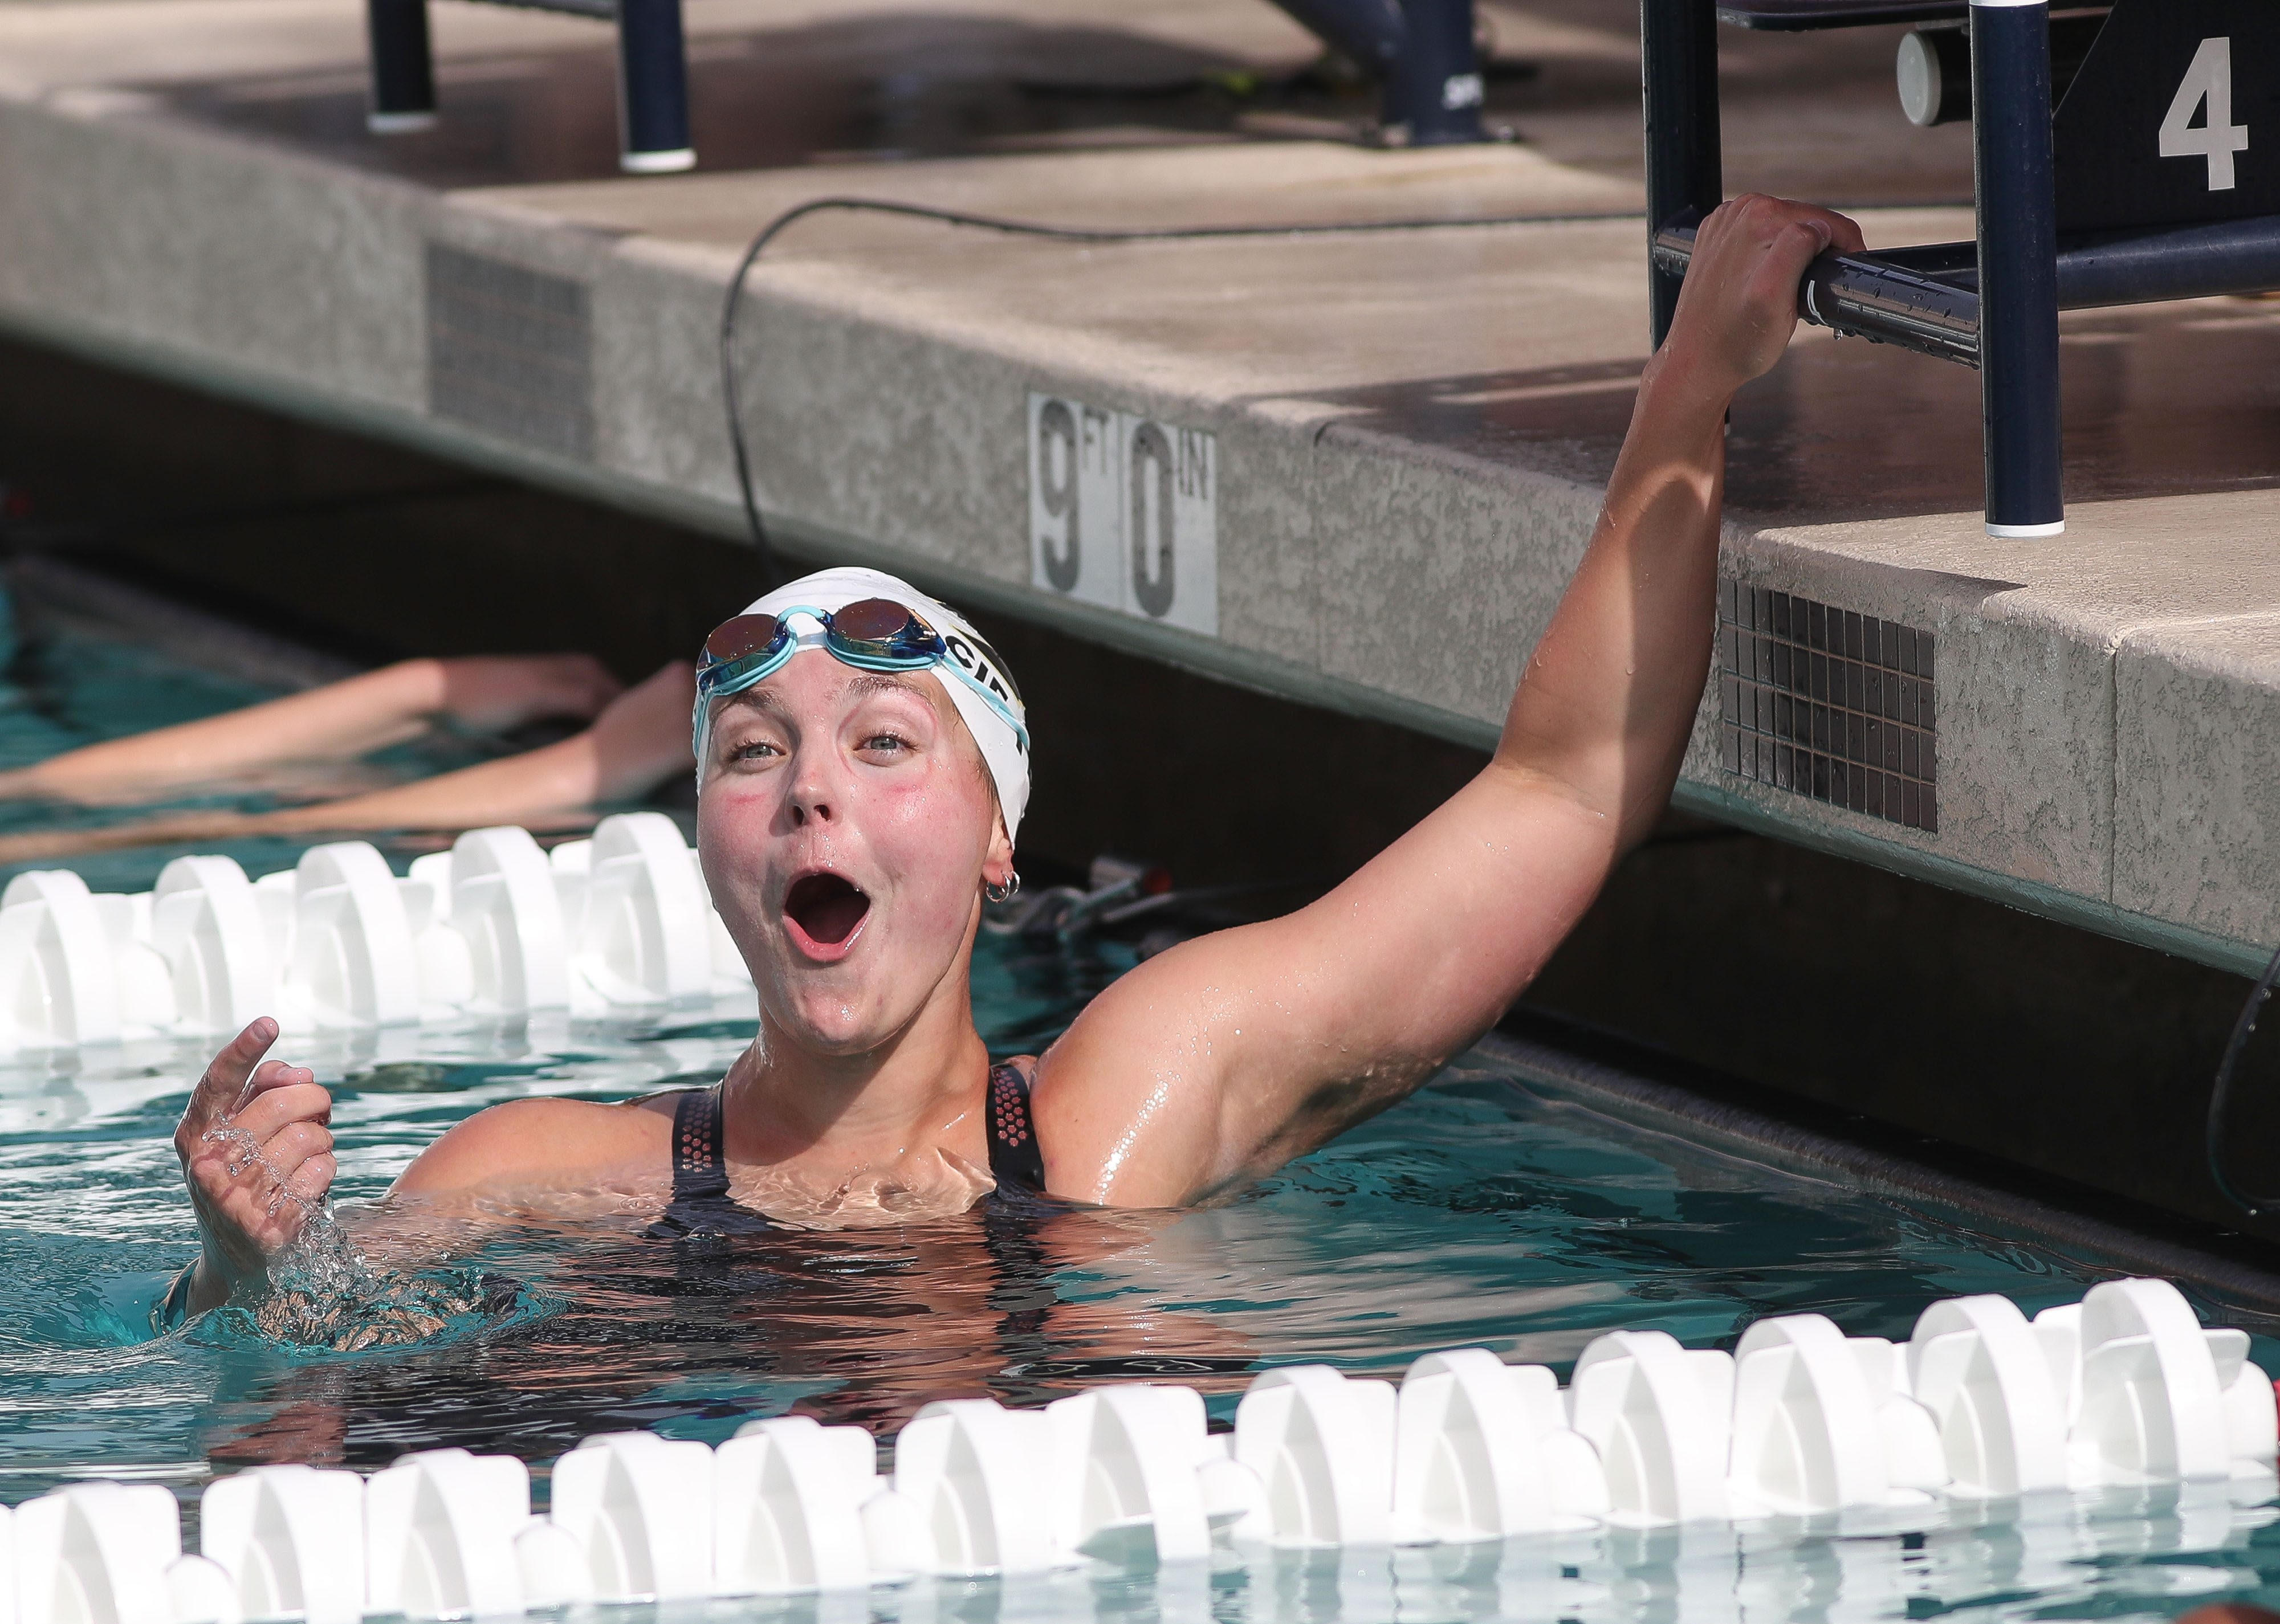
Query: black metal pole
x,y
402,69
1678,41
1434,86
653,88
1369,33
2018,265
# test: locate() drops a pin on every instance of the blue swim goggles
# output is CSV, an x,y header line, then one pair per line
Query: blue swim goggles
x,y
872,634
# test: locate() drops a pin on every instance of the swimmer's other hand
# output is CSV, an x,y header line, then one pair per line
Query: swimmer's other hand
x,y
492,693
257,1154
1738,306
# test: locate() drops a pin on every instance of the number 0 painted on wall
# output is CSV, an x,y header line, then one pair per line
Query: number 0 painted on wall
x,y
1124,512
2207,83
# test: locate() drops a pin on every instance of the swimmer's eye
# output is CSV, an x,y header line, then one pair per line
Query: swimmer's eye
x,y
884,742
754,751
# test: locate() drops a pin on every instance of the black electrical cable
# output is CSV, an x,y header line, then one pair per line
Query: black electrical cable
x,y
2221,1095
1026,228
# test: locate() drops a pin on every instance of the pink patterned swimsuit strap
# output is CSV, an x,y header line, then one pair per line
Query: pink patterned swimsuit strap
x,y
1014,1153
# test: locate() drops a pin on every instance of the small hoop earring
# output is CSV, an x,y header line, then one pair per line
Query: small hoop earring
x,y
1006,892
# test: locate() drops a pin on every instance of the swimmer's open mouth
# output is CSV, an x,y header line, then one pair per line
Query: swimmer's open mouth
x,y
825,908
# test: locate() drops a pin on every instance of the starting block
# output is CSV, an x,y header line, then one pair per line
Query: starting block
x,y
640,1508
2110,170
291,1540
1322,1446
1126,1461
440,1529
788,1495
1658,1416
974,1493
1482,1451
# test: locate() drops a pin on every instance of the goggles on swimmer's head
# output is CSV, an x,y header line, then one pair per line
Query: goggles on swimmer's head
x,y
872,634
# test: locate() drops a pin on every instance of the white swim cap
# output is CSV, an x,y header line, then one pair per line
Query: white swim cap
x,y
1004,746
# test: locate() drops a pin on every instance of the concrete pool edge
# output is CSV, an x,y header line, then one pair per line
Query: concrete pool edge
x,y
1599,1072
1375,496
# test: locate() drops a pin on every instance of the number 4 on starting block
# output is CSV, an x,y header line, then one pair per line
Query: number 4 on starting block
x,y
2174,118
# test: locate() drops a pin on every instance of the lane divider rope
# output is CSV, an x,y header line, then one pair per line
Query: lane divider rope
x,y
495,927
2123,1388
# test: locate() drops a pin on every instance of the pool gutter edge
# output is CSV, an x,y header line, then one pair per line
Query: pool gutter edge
x,y
1603,1072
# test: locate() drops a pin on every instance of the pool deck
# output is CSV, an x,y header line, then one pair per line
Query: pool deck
x,y
1407,428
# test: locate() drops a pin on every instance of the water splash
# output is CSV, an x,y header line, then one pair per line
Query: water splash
x,y
322,1292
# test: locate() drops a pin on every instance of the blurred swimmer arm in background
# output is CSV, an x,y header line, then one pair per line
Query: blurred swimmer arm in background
x,y
1221,1059
336,722
640,739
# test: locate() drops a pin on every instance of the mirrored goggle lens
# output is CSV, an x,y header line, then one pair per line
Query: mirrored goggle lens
x,y
879,626
742,637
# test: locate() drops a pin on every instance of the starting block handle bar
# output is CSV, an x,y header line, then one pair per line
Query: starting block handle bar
x,y
1685,174
2018,265
1927,297
1863,296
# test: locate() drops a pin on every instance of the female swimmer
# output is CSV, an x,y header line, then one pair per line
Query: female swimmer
x,y
863,767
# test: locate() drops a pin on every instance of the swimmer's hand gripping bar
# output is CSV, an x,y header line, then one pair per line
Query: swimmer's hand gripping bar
x,y
1927,299
1874,296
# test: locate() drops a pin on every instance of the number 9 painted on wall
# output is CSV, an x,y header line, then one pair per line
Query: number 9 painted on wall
x,y
1123,513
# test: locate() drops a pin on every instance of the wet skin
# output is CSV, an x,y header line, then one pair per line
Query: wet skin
x,y
847,830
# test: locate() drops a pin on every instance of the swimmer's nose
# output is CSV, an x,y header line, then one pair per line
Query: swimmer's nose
x,y
811,799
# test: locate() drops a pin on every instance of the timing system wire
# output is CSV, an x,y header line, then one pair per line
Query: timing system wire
x,y
2221,1095
1023,228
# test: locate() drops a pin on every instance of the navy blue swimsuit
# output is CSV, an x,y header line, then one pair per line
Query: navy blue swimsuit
x,y
702,1204
704,1219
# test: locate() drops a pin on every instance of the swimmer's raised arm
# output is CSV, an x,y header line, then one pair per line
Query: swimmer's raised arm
x,y
1223,1058
336,722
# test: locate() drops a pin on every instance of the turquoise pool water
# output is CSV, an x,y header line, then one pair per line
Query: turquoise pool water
x,y
1488,1210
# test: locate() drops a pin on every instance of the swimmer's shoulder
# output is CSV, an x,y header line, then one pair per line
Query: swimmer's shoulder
x,y
539,1143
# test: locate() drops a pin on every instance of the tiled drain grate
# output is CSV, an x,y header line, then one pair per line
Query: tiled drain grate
x,y
1829,704
510,350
